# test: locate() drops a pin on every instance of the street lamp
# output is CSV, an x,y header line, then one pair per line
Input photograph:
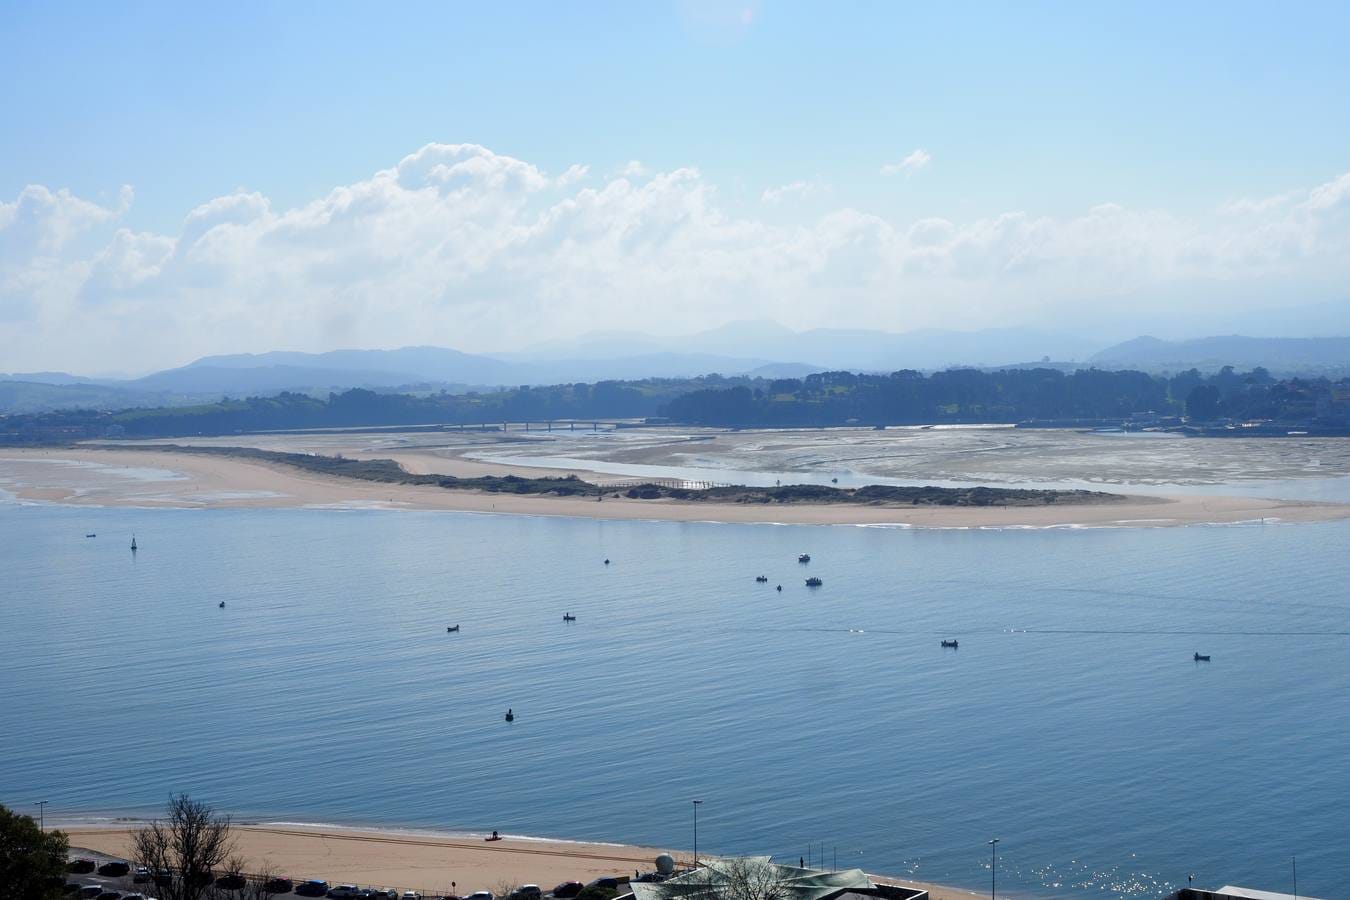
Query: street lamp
x,y
42,814
696,806
993,869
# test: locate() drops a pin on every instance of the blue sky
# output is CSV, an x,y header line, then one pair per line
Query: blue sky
x,y
1044,110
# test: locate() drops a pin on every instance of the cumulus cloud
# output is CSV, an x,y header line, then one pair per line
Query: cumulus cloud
x,y
459,246
909,165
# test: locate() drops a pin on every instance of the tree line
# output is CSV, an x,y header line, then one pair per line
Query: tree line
x,y
827,398
1008,396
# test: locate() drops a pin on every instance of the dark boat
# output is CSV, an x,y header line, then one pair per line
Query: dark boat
x,y
222,604
780,587
133,543
762,579
952,644
568,617
813,581
804,557
450,628
91,535
510,716
1202,657
606,561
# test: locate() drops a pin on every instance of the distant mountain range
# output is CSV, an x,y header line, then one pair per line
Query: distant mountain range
x,y
832,348
758,348
1279,355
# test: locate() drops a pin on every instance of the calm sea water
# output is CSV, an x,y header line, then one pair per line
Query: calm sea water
x,y
1071,723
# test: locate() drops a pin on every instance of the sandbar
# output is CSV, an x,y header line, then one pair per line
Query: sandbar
x,y
155,478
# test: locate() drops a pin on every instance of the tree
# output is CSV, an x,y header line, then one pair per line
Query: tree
x,y
1202,403
751,879
32,862
190,842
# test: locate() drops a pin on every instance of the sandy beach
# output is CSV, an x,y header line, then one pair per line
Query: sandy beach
x,y
423,861
165,479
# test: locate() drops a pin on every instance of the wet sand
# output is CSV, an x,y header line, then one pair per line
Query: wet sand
x,y
165,479
422,861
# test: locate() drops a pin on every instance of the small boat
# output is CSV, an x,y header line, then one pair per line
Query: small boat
x,y
451,628
510,716
804,558
222,604
762,579
952,644
606,560
91,535
1202,657
780,588
133,543
813,581
568,617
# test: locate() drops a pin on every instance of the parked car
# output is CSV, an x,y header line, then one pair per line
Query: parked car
x,y
604,882
481,895
231,881
73,887
279,885
90,891
527,892
312,888
411,895
141,876
567,890
109,895
82,865
133,897
344,892
114,868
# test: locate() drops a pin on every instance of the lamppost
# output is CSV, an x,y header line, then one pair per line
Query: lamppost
x,y
696,806
42,814
993,869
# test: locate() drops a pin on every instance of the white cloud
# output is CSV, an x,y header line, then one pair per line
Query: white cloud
x,y
459,246
792,190
909,165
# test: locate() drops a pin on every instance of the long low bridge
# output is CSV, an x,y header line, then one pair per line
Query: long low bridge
x,y
679,484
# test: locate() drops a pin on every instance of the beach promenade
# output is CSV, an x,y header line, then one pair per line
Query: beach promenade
x,y
424,861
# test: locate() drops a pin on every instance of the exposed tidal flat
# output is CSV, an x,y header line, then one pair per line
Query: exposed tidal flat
x,y
1071,722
